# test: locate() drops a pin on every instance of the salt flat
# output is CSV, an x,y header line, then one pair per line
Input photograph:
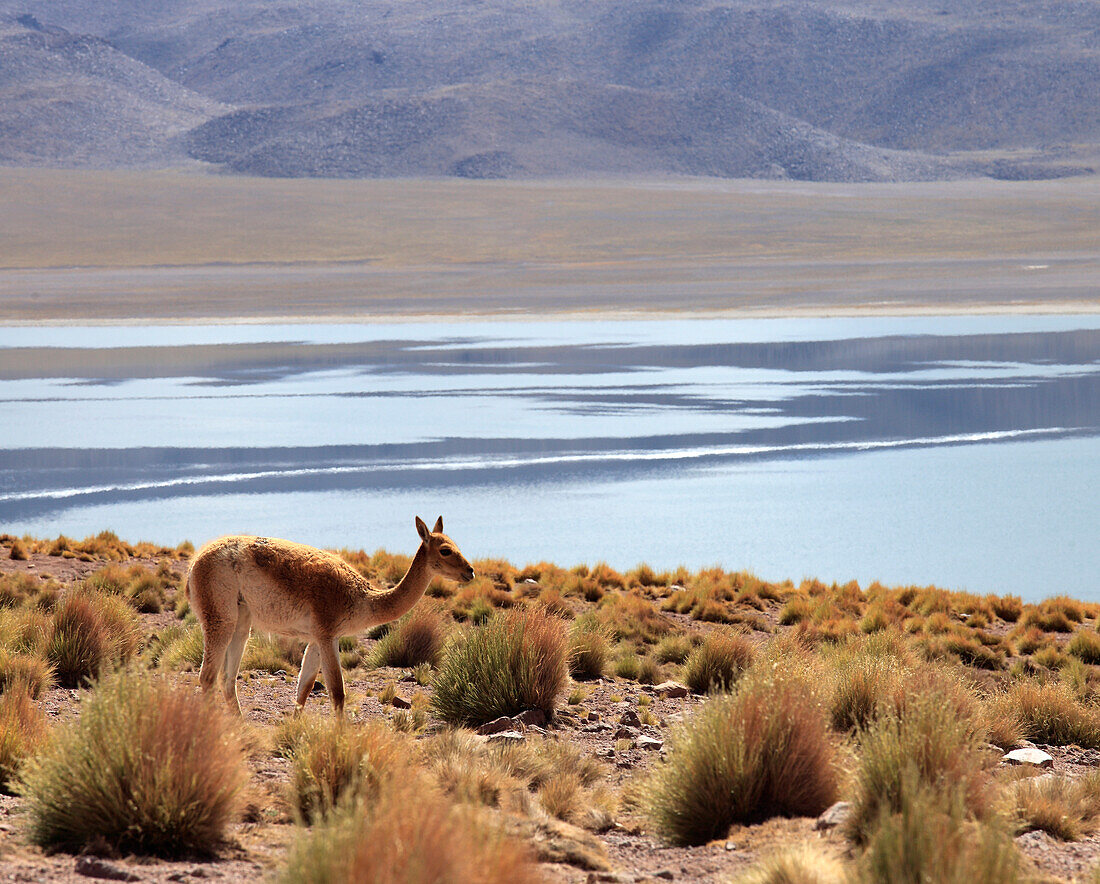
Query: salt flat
x,y
136,246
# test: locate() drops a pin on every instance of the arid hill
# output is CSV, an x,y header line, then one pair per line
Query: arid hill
x,y
810,90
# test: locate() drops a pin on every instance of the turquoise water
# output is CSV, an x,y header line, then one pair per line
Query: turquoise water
x,y
957,451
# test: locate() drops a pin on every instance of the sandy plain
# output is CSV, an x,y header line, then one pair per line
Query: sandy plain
x,y
80,246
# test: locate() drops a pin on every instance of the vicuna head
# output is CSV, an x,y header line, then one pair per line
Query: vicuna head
x,y
443,556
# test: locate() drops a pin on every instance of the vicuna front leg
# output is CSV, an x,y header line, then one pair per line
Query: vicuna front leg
x,y
311,665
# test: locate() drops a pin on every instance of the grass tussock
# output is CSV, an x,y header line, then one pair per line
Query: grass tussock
x,y
932,838
1049,712
1085,646
515,662
589,650
630,617
146,590
764,751
27,672
88,632
718,662
1064,808
334,763
411,835
805,864
22,730
271,653
146,768
864,687
924,746
416,638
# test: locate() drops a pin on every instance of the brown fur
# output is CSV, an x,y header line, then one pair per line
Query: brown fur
x,y
293,589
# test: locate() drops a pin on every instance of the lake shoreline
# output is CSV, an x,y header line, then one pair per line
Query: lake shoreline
x,y
1064,308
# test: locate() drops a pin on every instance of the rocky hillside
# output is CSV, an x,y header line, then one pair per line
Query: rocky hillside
x,y
868,90
76,100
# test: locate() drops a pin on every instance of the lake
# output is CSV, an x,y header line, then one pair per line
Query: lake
x,y
961,451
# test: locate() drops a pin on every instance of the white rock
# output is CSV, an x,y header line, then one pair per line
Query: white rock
x,y
1036,757
835,816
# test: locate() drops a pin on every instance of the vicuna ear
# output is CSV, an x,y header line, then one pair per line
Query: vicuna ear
x,y
438,529
421,528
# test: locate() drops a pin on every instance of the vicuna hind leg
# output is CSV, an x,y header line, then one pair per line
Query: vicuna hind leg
x,y
216,635
334,678
311,665
233,654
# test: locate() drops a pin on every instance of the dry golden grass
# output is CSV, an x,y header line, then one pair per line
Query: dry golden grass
x,y
411,834
1063,808
717,663
336,763
146,768
1049,712
868,663
764,751
924,746
805,864
87,632
416,638
22,730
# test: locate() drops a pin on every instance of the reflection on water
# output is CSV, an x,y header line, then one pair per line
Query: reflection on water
x,y
173,432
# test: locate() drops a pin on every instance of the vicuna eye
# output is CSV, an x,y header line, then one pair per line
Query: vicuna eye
x,y
444,552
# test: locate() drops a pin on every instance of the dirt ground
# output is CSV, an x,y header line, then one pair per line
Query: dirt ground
x,y
259,843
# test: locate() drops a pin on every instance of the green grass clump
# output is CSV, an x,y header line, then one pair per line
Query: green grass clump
x,y
1050,713
1085,646
588,650
1063,808
764,751
932,839
179,648
673,649
144,589
517,661
718,662
926,745
89,631
272,653
864,686
416,638
411,835
146,768
335,762
29,671
22,729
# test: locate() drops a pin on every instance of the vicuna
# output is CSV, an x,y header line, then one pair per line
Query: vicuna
x,y
291,589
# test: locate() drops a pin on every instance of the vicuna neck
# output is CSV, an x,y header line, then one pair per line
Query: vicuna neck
x,y
386,606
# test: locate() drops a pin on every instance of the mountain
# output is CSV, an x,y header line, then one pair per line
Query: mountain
x,y
859,90
76,101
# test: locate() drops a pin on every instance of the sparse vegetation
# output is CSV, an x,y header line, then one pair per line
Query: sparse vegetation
x,y
885,697
146,768
718,662
764,751
416,638
87,632
410,835
515,662
335,763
